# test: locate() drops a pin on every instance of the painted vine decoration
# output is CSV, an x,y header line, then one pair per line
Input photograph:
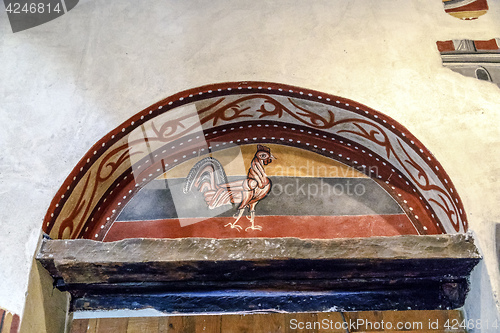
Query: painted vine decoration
x,y
452,213
307,117
105,170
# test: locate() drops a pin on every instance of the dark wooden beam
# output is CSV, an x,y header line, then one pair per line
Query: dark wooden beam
x,y
420,272
217,301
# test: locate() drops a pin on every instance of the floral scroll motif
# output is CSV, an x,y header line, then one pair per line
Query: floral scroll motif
x,y
412,169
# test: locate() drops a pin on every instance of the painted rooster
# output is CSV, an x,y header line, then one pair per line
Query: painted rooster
x,y
208,177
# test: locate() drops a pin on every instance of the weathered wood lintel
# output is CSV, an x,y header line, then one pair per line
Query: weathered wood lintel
x,y
421,272
217,301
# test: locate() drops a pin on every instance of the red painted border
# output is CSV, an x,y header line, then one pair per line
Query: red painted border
x,y
308,227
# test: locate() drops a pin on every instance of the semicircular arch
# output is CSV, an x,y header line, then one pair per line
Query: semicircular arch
x,y
209,118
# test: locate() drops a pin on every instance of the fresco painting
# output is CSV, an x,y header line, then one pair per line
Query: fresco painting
x,y
332,168
479,59
466,9
306,196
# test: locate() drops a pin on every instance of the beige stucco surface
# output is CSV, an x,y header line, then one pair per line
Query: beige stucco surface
x,y
65,84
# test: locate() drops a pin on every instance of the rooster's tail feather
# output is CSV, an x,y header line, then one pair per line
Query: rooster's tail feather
x,y
206,174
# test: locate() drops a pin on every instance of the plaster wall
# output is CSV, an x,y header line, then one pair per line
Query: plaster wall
x,y
65,84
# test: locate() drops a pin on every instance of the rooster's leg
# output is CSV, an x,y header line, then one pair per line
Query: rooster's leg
x,y
252,219
234,225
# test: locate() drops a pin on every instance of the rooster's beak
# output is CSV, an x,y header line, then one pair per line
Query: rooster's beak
x,y
273,158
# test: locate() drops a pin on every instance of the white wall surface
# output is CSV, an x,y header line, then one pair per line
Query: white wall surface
x,y
65,84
